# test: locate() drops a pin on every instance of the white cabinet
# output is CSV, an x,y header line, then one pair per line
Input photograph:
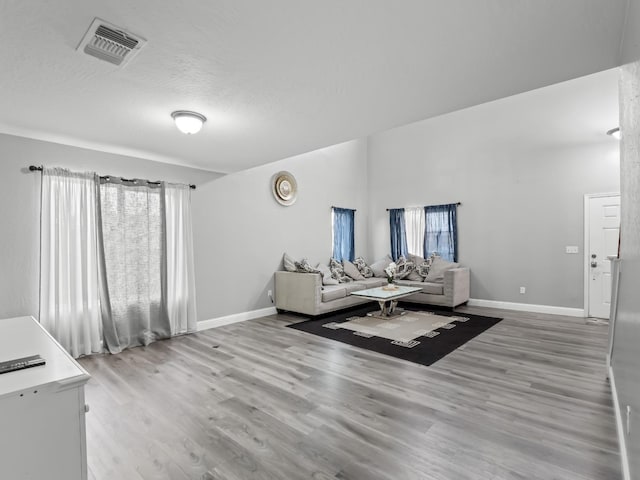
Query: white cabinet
x,y
42,409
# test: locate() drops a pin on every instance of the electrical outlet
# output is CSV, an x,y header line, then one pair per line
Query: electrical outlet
x,y
270,295
523,290
628,419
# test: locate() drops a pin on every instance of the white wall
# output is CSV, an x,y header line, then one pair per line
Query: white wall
x,y
241,232
630,45
625,357
521,184
20,206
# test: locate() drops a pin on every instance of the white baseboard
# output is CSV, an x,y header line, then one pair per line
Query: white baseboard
x,y
527,307
235,318
626,474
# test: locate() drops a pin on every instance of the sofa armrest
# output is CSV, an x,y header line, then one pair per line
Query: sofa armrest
x,y
298,292
456,286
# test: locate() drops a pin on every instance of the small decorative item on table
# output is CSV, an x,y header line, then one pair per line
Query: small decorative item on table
x,y
391,277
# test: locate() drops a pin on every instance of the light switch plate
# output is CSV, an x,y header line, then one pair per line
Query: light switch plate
x,y
571,249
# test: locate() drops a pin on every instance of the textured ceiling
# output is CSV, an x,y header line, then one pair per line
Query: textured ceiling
x,y
282,77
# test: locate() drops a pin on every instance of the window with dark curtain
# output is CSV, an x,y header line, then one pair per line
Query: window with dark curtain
x,y
441,231
343,234
397,230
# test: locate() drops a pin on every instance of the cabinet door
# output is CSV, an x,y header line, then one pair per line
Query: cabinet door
x,y
43,435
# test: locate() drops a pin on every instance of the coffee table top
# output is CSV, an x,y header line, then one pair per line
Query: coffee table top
x,y
379,293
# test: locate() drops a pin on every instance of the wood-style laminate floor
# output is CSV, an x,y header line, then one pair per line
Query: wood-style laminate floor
x,y
527,399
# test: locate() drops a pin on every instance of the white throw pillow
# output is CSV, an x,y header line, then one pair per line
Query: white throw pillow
x,y
289,263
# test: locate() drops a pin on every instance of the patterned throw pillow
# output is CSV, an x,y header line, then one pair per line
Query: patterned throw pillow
x,y
403,268
337,271
414,275
362,266
303,266
424,267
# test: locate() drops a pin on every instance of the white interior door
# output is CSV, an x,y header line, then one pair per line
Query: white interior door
x,y
603,234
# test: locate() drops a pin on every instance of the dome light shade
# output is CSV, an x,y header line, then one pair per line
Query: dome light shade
x,y
188,122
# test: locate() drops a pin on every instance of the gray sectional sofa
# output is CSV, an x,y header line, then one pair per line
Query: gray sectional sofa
x,y
304,292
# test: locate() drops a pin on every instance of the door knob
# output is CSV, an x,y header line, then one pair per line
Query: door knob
x,y
594,264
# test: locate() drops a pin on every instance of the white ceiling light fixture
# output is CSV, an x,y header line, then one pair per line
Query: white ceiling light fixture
x,y
188,122
615,133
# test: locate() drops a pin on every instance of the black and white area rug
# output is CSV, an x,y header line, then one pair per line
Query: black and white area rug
x,y
422,336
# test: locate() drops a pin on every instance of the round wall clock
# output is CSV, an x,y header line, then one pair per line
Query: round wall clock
x,y
285,188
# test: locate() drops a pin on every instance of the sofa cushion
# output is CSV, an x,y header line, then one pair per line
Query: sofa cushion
x,y
433,288
333,292
372,282
437,269
327,279
362,266
351,270
427,287
354,287
379,266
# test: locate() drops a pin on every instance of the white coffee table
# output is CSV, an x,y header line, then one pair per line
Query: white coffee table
x,y
387,298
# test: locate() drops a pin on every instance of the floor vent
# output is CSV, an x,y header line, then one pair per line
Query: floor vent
x,y
110,43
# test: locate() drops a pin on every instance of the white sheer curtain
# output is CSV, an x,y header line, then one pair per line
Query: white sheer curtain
x,y
133,249
117,266
414,224
69,284
181,289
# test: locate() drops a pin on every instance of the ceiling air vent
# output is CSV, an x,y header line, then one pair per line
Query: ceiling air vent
x,y
110,43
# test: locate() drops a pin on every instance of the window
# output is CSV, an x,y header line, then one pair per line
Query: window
x,y
441,231
424,230
415,223
116,261
343,220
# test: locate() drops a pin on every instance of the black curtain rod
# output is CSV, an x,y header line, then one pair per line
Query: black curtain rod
x,y
457,203
345,208
36,168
